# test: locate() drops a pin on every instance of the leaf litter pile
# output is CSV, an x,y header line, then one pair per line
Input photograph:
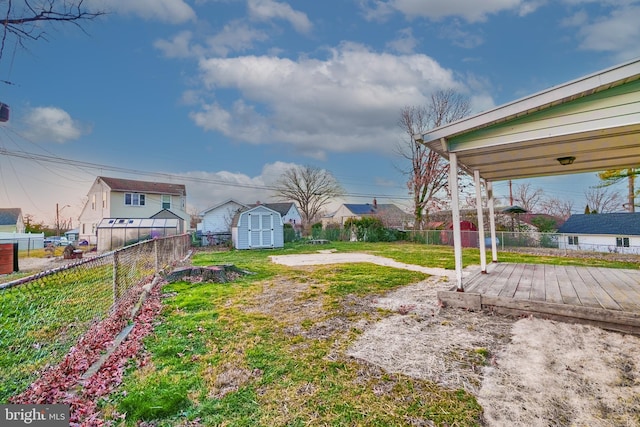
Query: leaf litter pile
x,y
63,384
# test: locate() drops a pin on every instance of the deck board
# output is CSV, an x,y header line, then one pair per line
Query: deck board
x,y
551,285
606,297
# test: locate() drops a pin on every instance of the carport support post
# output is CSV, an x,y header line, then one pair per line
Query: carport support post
x,y
483,251
455,214
492,221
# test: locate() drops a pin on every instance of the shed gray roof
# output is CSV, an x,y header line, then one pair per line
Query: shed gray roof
x,y
9,216
623,224
282,208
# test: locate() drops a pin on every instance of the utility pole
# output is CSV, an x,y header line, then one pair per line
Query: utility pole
x,y
57,221
510,194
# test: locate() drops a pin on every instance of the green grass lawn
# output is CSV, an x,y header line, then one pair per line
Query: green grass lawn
x,y
265,351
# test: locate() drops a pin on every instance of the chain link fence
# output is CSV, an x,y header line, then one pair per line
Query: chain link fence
x,y
42,316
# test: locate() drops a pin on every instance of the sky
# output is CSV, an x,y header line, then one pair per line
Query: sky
x,y
224,95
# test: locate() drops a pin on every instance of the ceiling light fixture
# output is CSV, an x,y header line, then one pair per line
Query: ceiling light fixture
x,y
566,160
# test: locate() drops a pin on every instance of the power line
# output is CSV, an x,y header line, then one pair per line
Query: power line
x,y
92,166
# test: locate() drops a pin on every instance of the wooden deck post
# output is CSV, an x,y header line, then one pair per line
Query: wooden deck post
x,y
455,213
492,221
483,251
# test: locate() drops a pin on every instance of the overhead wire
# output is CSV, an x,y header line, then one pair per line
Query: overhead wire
x,y
91,166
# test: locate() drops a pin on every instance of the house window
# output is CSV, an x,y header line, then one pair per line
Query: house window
x,y
133,199
166,201
93,202
622,242
104,199
573,240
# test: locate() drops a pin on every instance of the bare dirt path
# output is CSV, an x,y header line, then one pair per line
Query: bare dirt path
x,y
524,372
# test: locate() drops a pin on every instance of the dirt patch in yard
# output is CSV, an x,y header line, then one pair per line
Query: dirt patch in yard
x,y
523,371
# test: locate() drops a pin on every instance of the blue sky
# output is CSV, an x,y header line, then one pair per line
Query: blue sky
x,y
223,95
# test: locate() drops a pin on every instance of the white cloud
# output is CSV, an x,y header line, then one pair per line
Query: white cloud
x,y
177,47
235,36
471,11
405,42
206,189
617,33
347,102
171,11
52,124
266,10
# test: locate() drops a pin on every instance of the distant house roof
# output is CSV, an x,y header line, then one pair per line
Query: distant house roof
x,y
119,184
369,209
611,223
204,212
9,216
282,208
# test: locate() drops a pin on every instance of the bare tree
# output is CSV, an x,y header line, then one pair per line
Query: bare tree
x,y
23,19
559,208
601,200
527,197
428,172
310,187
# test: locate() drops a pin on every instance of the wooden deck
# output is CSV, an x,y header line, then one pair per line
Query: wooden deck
x,y
605,297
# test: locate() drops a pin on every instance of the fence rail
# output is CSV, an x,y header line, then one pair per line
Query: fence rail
x,y
42,316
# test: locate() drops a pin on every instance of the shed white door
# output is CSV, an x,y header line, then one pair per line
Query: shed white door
x,y
261,230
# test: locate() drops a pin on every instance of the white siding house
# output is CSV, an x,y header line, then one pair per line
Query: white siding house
x,y
256,228
611,233
11,220
216,221
218,218
130,199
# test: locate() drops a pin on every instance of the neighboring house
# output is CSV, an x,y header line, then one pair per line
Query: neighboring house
x,y
72,235
11,220
258,227
612,232
216,221
130,199
288,211
391,215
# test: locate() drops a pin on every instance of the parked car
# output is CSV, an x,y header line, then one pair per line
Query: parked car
x,y
56,241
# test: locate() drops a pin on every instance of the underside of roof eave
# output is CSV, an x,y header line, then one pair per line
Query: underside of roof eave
x,y
590,84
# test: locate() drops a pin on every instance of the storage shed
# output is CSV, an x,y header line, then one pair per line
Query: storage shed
x,y
469,235
256,228
115,233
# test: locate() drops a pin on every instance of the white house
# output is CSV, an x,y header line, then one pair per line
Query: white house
x,y
126,198
256,228
612,232
11,220
391,215
216,221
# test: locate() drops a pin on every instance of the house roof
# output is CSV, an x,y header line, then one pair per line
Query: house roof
x,y
9,216
595,120
369,209
236,218
120,184
623,224
282,208
204,212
